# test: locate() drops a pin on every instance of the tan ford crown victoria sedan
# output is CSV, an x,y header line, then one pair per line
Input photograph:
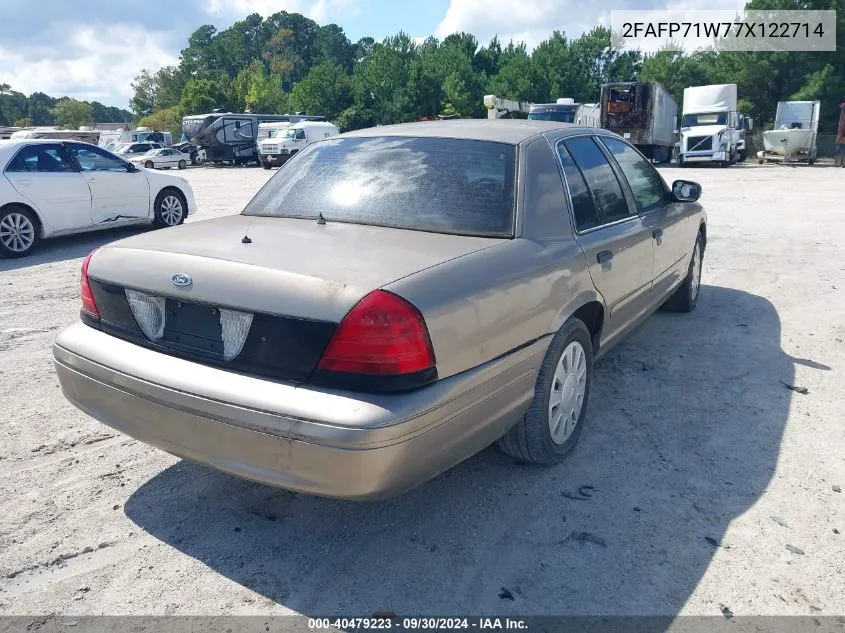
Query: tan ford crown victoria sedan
x,y
391,302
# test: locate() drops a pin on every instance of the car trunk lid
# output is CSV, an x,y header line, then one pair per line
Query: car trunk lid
x,y
283,290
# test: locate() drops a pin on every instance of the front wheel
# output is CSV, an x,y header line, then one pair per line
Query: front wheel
x,y
19,232
182,164
550,429
685,298
149,164
170,209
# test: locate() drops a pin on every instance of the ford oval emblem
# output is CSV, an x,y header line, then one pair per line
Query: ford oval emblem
x,y
182,280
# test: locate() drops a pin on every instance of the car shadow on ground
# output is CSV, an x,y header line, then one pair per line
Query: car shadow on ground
x,y
686,421
71,247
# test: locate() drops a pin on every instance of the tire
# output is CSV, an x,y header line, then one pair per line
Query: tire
x,y
20,231
685,297
761,160
531,440
742,156
149,164
167,212
182,164
265,165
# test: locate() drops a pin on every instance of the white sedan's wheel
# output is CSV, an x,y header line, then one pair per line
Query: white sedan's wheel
x,y
149,164
170,209
567,396
19,232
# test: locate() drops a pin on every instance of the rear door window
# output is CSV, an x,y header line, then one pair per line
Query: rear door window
x,y
583,207
608,197
441,185
41,158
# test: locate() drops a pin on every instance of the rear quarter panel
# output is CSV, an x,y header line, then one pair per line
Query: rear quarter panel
x,y
491,302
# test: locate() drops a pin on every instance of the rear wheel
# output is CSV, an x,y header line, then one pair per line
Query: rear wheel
x,y
685,298
19,231
551,427
170,208
182,164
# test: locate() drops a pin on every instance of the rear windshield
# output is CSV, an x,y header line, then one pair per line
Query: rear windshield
x,y
441,185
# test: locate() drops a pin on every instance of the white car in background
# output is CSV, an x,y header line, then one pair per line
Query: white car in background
x,y
52,187
131,150
162,158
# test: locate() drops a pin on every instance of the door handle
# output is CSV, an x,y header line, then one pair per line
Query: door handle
x,y
605,256
657,234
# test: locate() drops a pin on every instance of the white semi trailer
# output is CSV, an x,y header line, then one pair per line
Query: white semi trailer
x,y
710,126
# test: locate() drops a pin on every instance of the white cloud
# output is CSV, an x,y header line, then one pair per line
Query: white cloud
x,y
92,62
532,21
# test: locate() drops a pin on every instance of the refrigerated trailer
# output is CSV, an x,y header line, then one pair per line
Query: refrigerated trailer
x,y
644,113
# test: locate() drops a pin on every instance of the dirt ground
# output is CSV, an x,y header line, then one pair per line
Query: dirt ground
x,y
701,484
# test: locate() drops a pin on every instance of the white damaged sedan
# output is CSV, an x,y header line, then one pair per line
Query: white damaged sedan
x,y
51,187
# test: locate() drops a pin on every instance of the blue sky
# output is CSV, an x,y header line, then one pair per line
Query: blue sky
x,y
91,49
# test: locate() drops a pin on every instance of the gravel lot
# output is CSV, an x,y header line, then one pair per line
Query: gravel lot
x,y
702,482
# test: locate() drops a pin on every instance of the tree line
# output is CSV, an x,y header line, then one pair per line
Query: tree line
x,y
289,63
18,110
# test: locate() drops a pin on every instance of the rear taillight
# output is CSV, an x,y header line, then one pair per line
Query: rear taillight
x,y
383,335
89,306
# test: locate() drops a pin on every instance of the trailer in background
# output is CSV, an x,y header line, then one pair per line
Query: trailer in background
x,y
795,134
644,113
588,115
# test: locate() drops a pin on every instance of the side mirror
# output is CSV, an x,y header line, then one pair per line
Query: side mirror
x,y
131,168
686,190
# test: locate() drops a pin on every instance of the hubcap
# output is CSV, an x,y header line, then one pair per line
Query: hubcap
x,y
171,210
17,232
695,282
567,397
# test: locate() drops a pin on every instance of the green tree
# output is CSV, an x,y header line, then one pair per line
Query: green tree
x,y
23,122
380,81
205,95
166,119
333,47
515,77
71,114
257,90
326,90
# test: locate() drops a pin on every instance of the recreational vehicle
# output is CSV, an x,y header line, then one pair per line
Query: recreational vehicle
x,y
229,137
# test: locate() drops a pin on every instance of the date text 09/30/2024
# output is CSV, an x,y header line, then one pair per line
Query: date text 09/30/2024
x,y
418,624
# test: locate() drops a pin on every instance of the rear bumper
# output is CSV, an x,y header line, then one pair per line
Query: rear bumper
x,y
318,441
